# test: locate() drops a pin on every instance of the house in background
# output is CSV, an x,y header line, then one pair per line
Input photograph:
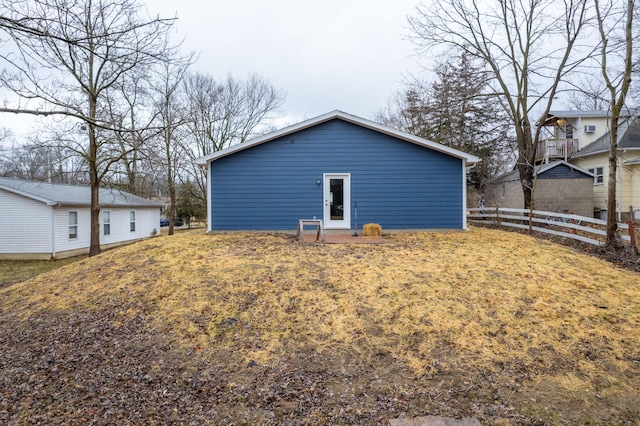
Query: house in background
x,y
570,131
342,169
41,220
560,187
582,138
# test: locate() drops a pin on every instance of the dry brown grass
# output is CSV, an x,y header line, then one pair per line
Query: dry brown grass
x,y
12,271
436,302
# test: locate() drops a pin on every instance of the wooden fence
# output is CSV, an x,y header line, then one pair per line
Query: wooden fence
x,y
586,229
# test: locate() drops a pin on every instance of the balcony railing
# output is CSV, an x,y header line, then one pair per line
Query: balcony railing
x,y
554,149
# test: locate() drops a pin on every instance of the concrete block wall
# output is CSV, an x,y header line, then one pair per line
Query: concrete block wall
x,y
504,194
573,195
558,195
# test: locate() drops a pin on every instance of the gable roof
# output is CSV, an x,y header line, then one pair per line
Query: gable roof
x,y
540,169
54,194
469,159
628,138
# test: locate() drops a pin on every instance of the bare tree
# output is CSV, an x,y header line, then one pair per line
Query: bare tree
x,y
589,93
68,54
42,158
132,112
171,112
455,110
615,26
223,113
528,47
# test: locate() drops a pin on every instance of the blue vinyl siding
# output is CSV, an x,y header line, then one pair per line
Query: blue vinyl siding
x,y
395,183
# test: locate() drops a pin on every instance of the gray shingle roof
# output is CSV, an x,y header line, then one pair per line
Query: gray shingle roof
x,y
628,138
579,114
72,195
540,169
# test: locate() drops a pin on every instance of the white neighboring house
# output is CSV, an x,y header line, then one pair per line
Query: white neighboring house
x,y
40,220
583,138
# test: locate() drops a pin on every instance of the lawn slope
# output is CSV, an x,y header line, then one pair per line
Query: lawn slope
x,y
262,329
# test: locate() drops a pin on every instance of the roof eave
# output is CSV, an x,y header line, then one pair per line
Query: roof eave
x,y
601,151
468,158
46,201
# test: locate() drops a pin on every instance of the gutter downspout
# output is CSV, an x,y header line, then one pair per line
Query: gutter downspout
x,y
53,232
618,189
209,198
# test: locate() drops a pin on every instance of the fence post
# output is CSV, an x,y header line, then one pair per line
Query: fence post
x,y
632,235
573,222
498,217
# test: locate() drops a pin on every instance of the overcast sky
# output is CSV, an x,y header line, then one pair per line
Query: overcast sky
x,y
350,55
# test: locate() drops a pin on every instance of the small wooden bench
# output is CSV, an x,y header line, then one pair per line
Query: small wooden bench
x,y
315,222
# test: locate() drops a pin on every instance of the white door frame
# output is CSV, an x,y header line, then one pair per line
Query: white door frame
x,y
345,222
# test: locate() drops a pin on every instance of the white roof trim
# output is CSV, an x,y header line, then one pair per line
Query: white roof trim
x,y
469,159
28,195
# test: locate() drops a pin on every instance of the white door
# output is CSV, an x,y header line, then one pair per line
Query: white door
x,y
337,201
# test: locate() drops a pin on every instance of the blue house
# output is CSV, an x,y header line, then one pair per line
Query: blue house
x,y
342,169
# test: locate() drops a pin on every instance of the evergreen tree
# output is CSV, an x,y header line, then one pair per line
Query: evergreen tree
x,y
456,110
189,205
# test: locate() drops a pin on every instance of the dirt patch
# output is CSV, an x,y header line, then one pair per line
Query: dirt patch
x,y
342,238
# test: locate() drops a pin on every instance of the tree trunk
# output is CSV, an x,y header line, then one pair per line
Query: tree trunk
x,y
526,179
613,240
94,245
526,161
172,205
171,185
618,96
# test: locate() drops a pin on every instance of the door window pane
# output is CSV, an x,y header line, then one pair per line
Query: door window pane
x,y
337,198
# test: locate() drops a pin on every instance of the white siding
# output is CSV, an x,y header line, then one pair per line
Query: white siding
x,y
25,224
629,178
147,219
602,127
599,191
32,229
62,241
629,182
635,189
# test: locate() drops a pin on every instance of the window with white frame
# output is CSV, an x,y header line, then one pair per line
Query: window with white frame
x,y
598,172
132,221
106,223
73,225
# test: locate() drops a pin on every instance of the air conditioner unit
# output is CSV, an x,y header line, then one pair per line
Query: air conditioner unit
x,y
589,128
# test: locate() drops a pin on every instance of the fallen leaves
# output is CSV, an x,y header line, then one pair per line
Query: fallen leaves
x,y
259,328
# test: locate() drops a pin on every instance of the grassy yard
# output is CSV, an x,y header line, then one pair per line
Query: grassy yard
x,y
14,271
261,329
